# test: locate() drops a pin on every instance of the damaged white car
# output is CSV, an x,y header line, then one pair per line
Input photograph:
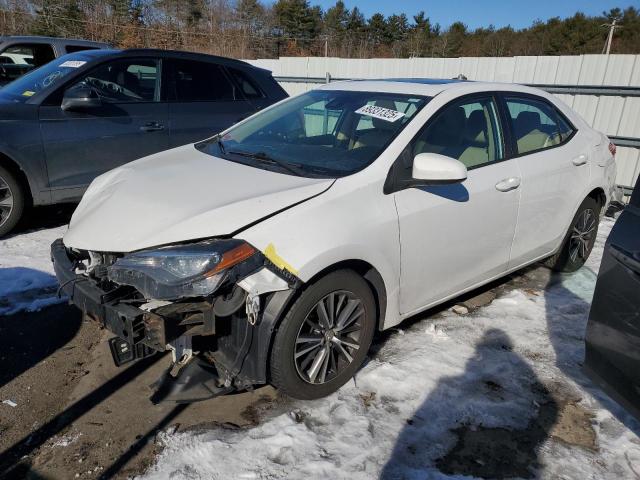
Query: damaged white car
x,y
272,252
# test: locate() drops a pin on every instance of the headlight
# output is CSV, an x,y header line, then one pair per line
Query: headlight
x,y
190,270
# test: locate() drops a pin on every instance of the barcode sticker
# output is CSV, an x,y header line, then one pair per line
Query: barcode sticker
x,y
72,63
380,112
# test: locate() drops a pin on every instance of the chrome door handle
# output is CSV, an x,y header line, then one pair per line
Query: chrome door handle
x,y
579,160
152,127
508,184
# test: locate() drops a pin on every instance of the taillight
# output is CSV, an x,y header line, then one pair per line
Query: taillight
x,y
612,148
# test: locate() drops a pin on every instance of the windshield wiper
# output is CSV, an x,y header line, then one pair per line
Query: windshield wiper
x,y
221,145
263,157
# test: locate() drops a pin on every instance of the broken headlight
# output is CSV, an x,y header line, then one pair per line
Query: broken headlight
x,y
191,270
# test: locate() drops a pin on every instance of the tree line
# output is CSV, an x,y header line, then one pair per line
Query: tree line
x,y
253,29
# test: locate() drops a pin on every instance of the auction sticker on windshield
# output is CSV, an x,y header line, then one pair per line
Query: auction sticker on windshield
x,y
380,112
73,63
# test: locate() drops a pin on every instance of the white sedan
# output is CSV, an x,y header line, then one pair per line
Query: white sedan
x,y
272,252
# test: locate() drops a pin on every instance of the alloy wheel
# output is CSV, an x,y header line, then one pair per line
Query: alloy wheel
x,y
329,337
6,201
582,235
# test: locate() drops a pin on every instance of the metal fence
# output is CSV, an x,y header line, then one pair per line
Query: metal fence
x,y
604,89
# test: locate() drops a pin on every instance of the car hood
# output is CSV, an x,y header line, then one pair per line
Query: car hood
x,y
180,195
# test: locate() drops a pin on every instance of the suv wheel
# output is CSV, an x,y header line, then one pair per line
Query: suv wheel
x,y
11,201
579,240
324,337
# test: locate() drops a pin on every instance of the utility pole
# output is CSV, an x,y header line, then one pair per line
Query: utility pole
x,y
612,27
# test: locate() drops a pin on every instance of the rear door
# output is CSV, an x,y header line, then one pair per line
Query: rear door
x,y
555,171
130,123
203,100
613,330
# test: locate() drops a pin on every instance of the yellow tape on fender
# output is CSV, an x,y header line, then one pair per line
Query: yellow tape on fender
x,y
277,260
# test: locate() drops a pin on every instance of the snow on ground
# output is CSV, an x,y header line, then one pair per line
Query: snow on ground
x,y
27,281
508,368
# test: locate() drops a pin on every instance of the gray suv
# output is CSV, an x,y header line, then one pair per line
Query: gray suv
x,y
82,114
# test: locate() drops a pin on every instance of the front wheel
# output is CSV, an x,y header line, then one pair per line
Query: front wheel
x,y
324,337
579,240
11,201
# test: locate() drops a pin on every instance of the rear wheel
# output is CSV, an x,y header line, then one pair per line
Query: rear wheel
x,y
325,336
11,201
579,240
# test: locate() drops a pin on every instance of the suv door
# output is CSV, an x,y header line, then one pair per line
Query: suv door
x,y
203,101
613,331
555,172
454,237
23,57
130,123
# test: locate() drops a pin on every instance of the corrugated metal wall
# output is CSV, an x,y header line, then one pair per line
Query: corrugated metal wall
x,y
614,115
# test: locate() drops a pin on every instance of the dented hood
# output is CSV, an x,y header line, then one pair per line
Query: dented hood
x,y
179,195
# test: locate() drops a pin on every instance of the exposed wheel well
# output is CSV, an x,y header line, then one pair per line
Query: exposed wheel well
x,y
371,276
15,169
598,195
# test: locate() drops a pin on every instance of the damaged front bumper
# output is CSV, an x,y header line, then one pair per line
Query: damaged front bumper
x,y
219,343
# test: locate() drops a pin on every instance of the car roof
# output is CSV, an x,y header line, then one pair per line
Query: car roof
x,y
42,39
428,87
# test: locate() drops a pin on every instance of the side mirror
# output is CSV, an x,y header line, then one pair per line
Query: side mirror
x,y
80,98
433,168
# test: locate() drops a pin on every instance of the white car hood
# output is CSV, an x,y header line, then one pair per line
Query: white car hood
x,y
178,195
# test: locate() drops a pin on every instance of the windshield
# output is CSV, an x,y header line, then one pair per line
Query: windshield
x,y
28,85
325,133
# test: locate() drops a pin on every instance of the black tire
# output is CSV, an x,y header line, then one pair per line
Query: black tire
x,y
9,217
566,260
285,372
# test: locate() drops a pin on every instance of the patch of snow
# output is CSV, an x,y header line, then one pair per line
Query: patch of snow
x,y
66,440
27,281
401,412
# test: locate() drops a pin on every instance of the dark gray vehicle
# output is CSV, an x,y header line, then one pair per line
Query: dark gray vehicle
x,y
82,114
18,55
612,357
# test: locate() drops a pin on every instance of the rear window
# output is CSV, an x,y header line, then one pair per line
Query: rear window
x,y
195,81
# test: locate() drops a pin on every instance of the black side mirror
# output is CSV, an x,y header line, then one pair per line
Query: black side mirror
x,y
80,97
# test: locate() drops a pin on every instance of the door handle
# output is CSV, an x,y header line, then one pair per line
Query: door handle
x,y
508,184
579,160
152,127
626,259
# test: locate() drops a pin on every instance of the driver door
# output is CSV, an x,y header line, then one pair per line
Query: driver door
x,y
129,124
454,237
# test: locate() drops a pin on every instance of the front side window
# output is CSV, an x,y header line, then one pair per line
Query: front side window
x,y
200,82
536,125
125,81
325,133
466,130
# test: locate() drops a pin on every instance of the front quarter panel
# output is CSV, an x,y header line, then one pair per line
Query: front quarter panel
x,y
348,222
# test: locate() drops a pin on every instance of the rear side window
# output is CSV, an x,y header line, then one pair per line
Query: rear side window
x,y
78,48
248,86
536,125
200,82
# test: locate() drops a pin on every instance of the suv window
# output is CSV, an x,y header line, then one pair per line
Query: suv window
x,y
466,130
247,85
78,48
200,82
125,81
536,124
32,54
